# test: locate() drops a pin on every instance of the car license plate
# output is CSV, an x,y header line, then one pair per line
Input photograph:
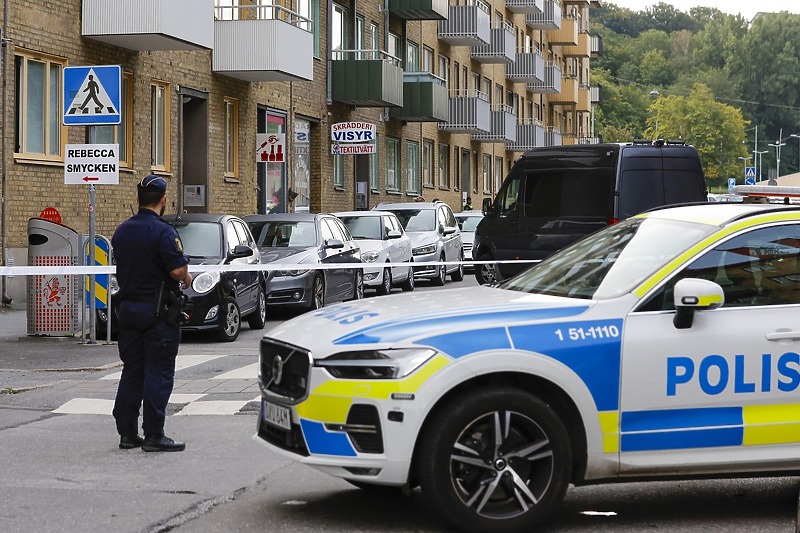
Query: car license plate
x,y
277,416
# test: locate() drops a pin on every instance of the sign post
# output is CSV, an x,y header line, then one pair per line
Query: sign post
x,y
92,97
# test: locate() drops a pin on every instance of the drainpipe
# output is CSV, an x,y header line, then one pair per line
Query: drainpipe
x,y
6,299
329,44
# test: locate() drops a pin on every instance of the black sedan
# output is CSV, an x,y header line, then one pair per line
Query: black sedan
x,y
298,241
218,299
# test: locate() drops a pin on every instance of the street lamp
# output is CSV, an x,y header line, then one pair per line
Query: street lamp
x,y
759,153
777,145
797,136
655,94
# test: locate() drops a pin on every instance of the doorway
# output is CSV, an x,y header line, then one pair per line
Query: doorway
x,y
362,168
466,185
194,149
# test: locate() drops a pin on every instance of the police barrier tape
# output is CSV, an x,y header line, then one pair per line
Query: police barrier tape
x,y
112,269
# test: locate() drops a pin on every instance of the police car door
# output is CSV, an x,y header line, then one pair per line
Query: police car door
x,y
720,395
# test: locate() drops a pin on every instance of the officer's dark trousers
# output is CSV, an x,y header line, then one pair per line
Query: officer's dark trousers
x,y
148,347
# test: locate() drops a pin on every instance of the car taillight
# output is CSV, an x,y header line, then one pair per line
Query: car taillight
x,y
611,221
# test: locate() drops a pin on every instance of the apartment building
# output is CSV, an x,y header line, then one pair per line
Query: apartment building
x,y
446,95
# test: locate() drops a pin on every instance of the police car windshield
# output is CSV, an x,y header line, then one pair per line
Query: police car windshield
x,y
611,262
200,239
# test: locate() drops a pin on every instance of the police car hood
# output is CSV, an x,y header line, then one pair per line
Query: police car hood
x,y
409,319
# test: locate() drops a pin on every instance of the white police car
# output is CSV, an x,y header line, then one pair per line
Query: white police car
x,y
664,346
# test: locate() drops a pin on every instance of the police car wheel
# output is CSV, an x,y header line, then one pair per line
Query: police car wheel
x,y
498,460
458,274
258,318
441,273
386,283
231,320
489,273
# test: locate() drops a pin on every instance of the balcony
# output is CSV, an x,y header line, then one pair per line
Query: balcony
x,y
419,9
567,35
501,49
262,43
548,19
551,83
568,139
528,68
150,24
596,46
577,3
366,78
469,113
525,7
582,50
424,99
466,25
568,95
585,139
584,98
503,128
552,136
530,134
596,94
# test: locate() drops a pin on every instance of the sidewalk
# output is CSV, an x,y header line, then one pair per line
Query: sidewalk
x,y
21,352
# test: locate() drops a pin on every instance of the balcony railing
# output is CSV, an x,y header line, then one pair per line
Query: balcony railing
x,y
366,78
551,83
548,19
501,48
552,136
567,35
530,134
597,94
568,95
469,113
527,7
419,9
596,46
466,25
585,139
582,49
503,126
569,139
150,24
262,43
528,68
424,99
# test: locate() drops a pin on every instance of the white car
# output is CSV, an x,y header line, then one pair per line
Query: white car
x,y
467,222
664,346
382,240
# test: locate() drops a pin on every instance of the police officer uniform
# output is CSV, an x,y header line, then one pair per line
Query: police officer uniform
x,y
148,252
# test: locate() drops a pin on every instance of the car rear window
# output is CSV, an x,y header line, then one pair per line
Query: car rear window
x,y
367,227
568,193
200,239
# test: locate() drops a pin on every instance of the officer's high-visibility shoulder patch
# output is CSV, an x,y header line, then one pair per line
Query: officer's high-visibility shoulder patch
x,y
178,244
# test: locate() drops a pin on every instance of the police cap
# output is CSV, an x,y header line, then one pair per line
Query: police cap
x,y
152,184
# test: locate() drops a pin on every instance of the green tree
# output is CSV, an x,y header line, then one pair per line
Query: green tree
x,y
654,70
715,129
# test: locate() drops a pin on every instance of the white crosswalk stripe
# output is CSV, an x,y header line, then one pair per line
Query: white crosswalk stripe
x,y
246,372
181,362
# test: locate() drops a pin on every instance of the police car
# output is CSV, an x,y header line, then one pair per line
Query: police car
x,y
665,346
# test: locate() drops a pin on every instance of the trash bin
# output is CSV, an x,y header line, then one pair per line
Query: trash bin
x,y
54,300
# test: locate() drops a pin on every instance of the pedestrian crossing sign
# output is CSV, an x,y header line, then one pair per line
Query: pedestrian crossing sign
x,y
750,172
92,95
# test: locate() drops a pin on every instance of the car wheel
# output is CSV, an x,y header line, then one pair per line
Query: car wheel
x,y
441,273
358,290
318,293
487,273
458,274
498,460
258,318
409,284
386,284
230,321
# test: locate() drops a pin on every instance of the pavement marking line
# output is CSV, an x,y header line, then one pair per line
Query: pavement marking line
x,y
86,406
178,397
181,362
245,372
214,407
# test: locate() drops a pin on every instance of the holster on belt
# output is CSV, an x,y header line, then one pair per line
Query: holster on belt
x,y
173,307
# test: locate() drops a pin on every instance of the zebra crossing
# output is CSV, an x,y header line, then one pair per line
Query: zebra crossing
x,y
190,397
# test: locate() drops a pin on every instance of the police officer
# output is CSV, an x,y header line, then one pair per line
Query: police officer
x,y
151,270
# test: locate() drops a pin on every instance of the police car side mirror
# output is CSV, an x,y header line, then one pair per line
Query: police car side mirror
x,y
240,250
693,294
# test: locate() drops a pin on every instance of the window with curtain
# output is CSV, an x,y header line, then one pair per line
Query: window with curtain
x,y
412,166
444,166
339,30
231,138
374,175
39,89
427,163
487,173
392,164
159,126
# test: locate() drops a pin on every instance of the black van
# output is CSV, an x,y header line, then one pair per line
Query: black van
x,y
554,196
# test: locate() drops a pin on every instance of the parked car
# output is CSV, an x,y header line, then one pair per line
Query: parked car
x,y
299,242
557,195
382,240
435,237
218,299
467,222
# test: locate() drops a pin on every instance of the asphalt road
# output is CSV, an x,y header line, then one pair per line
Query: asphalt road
x,y
62,470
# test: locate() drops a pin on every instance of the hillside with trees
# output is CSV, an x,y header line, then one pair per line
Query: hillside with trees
x,y
705,77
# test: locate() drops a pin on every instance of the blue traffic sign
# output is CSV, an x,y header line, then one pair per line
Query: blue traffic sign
x,y
731,184
749,181
750,172
92,95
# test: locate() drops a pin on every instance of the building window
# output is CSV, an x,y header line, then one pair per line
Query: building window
x,y
393,46
444,70
374,173
338,171
487,173
231,138
310,10
226,9
412,167
374,40
427,163
498,173
302,164
361,37
123,133
444,166
392,164
339,31
159,126
39,132
412,57
427,59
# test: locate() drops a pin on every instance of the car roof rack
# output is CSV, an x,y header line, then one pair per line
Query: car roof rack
x,y
658,142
